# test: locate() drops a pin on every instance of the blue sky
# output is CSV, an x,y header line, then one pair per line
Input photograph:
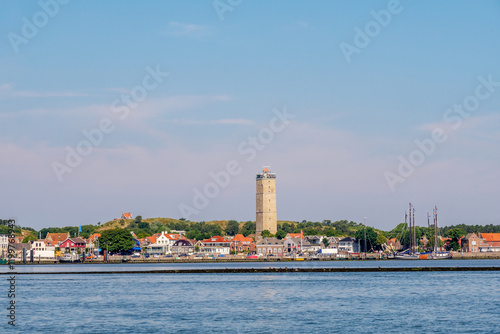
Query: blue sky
x,y
353,120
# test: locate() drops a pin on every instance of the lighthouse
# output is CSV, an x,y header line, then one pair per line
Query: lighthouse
x,y
266,218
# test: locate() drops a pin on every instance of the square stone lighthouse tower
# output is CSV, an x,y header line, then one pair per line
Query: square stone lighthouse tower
x,y
266,202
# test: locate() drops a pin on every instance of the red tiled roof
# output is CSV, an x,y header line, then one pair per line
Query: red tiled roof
x,y
95,236
491,237
295,235
241,238
127,215
57,236
215,238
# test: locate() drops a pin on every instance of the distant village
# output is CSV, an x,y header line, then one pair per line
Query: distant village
x,y
171,244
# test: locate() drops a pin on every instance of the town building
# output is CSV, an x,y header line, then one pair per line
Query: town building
x,y
241,243
297,245
215,245
4,245
42,251
349,245
126,215
492,241
183,246
55,239
333,245
73,245
267,246
470,243
294,235
161,243
394,245
266,217
93,243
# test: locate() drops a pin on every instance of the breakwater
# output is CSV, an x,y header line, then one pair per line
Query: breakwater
x,y
262,270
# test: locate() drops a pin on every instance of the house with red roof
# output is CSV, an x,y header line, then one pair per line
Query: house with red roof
x,y
394,244
73,245
492,241
294,235
161,243
92,242
126,215
240,243
215,245
94,237
55,239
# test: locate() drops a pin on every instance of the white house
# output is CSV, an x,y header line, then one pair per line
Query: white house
x,y
163,244
4,244
42,251
349,245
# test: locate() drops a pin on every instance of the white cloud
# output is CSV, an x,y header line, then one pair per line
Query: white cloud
x,y
7,91
179,29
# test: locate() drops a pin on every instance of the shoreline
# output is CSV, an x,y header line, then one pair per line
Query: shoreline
x,y
369,257
265,270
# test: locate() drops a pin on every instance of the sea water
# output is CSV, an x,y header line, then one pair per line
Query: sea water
x,y
394,302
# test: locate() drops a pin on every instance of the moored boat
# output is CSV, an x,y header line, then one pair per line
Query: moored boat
x,y
66,258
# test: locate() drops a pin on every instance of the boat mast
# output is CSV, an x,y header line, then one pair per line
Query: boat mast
x,y
414,232
435,228
428,226
365,237
403,239
411,231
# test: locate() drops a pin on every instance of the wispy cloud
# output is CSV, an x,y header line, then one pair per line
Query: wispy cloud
x,y
179,29
225,121
233,121
7,91
473,123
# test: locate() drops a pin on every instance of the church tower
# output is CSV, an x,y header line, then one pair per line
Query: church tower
x,y
266,218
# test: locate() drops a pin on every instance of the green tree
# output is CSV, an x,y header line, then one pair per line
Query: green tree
x,y
232,227
326,242
143,225
4,229
266,234
455,234
280,234
381,240
116,241
329,231
248,228
29,238
142,235
138,219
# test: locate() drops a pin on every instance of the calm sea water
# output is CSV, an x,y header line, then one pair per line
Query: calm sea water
x,y
421,302
288,264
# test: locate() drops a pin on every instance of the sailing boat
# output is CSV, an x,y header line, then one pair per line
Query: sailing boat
x,y
435,254
411,253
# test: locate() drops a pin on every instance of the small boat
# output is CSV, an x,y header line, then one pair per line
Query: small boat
x,y
407,255
66,258
441,255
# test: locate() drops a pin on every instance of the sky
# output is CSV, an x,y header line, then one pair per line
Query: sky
x,y
170,108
